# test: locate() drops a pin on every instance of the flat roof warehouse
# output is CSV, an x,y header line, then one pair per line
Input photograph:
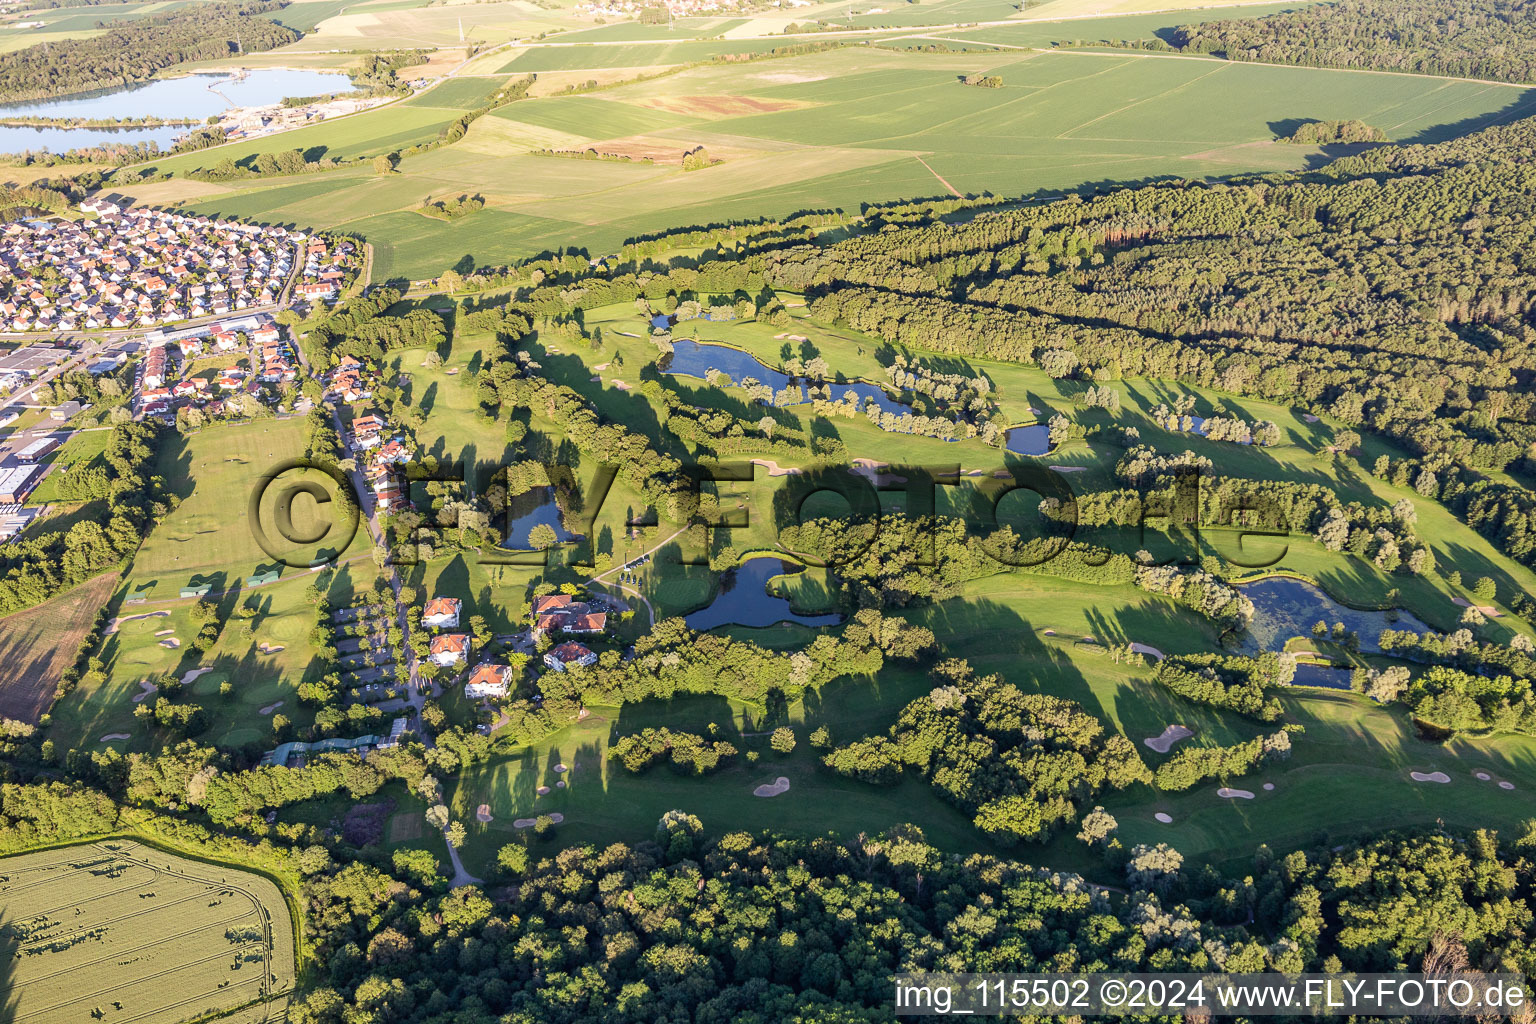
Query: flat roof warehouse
x,y
31,360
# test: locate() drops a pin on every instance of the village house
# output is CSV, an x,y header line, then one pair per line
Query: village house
x,y
488,681
441,613
449,649
567,654
137,267
561,613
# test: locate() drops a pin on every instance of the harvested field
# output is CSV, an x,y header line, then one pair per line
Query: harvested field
x,y
118,924
719,106
37,645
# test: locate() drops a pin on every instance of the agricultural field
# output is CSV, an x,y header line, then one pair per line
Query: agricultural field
x,y
116,930
832,129
37,645
70,22
412,24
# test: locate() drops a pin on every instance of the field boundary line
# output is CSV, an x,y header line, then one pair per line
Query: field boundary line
x,y
942,181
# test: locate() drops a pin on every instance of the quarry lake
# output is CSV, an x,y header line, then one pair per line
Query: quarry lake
x,y
194,97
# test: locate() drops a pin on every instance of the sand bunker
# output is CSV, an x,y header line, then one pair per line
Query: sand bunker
x,y
1169,736
619,384
1048,632
1484,776
1070,469
170,642
266,648
1506,785
1166,819
1488,610
166,632
556,817
109,737
1234,794
271,708
542,791
112,626
1429,776
561,768
1309,417
1147,649
146,689
870,470
1269,787
189,678
483,813
560,784
601,366
774,788
774,469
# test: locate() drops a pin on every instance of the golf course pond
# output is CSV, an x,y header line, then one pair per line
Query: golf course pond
x,y
744,599
695,359
1284,608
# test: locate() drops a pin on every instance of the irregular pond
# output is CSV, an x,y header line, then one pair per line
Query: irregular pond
x,y
535,508
744,599
194,96
1285,608
695,359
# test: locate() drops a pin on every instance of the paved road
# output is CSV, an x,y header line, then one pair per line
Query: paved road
x,y
601,578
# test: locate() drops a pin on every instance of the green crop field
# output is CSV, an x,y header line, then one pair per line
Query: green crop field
x,y
120,931
832,129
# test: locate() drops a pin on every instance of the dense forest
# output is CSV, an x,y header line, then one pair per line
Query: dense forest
x,y
1494,39
752,928
134,51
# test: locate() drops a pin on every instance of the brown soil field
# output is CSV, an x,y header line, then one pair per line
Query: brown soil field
x,y
37,645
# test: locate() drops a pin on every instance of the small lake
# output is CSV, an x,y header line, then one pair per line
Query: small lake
x,y
1330,676
1285,608
193,96
695,359
1031,440
744,599
536,508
